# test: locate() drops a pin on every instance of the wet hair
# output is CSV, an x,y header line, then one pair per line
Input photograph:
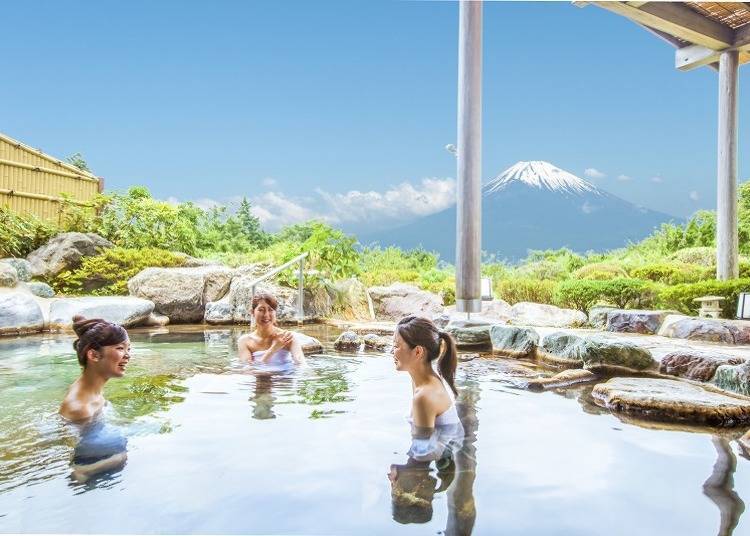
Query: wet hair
x,y
94,333
419,331
267,297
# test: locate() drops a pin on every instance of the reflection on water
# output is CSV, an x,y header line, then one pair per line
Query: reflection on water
x,y
720,487
193,417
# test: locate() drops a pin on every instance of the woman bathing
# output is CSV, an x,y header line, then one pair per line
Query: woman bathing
x,y
271,348
103,350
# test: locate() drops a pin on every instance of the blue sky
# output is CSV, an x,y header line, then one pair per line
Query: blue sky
x,y
299,105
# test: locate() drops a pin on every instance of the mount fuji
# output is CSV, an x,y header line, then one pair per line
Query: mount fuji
x,y
533,205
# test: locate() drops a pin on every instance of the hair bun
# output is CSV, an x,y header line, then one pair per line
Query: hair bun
x,y
81,324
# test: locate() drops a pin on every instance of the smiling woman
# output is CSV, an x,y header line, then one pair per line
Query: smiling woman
x,y
103,350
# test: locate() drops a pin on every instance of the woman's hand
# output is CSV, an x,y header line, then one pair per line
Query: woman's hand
x,y
282,339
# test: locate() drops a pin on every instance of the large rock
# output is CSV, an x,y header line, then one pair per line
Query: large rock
x,y
704,329
598,316
22,266
514,341
595,352
352,301
310,345
672,400
541,314
562,349
64,252
635,321
474,332
19,313
398,300
695,364
377,342
8,276
348,340
124,310
43,290
497,311
733,378
181,293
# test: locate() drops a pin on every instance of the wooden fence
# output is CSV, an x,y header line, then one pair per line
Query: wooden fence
x,y
32,182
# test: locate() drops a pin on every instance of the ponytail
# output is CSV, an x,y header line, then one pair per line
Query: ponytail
x,y
448,361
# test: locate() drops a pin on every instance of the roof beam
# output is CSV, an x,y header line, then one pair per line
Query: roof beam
x,y
677,20
694,56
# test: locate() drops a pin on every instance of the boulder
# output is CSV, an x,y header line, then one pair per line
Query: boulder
x,y
352,301
310,345
601,353
398,300
377,342
156,320
562,349
699,329
64,252
236,306
672,400
598,316
124,310
514,341
695,364
733,378
181,293
564,379
497,311
19,313
22,266
8,276
541,314
470,333
348,340
635,320
43,290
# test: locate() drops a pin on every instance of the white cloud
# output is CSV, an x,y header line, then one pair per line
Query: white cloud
x,y
694,195
624,178
269,182
656,178
275,210
594,173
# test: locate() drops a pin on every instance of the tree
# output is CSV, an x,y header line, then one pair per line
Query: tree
x,y
78,161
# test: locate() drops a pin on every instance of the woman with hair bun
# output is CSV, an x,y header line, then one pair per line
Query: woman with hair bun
x,y
103,350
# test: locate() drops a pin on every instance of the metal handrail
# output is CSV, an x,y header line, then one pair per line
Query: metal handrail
x,y
300,281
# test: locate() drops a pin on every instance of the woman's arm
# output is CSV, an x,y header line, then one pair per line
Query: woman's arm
x,y
280,340
245,347
422,412
296,350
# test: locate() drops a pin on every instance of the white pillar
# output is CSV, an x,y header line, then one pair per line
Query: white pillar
x,y
726,200
469,186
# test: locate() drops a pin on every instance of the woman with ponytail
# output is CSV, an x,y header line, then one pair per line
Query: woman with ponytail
x,y
417,346
103,350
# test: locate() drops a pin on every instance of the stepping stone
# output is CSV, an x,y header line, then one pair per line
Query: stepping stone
x,y
348,340
377,342
470,333
672,400
565,378
635,320
561,349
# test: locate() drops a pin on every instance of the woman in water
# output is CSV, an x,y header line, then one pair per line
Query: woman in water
x,y
436,429
103,350
268,346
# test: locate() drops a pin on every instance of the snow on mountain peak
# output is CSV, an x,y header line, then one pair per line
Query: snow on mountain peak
x,y
541,175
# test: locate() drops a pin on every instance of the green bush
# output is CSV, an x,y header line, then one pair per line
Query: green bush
x,y
446,288
704,256
600,271
108,274
386,277
520,289
393,258
22,234
582,294
680,297
672,273
543,269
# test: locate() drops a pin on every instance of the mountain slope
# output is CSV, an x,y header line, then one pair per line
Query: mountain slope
x,y
533,205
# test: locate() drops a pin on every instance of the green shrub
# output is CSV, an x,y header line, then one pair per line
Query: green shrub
x,y
680,297
672,273
22,234
582,294
108,274
520,289
600,271
543,269
446,288
704,256
387,277
393,258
